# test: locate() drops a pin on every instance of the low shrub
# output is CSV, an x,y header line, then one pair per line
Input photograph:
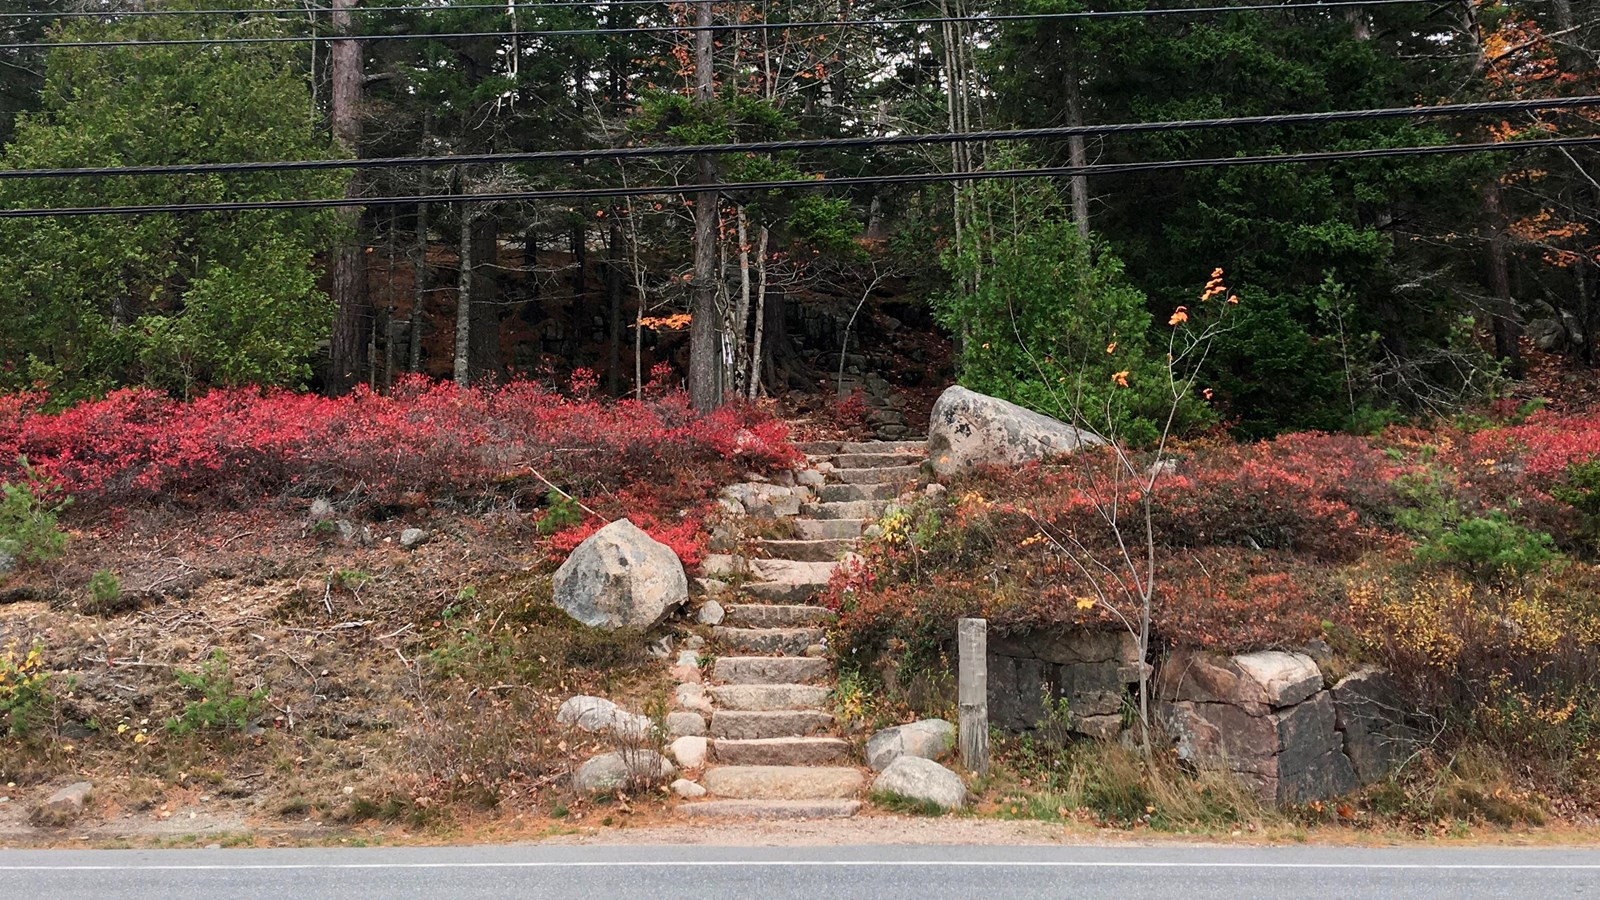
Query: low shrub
x,y
26,702
29,529
220,705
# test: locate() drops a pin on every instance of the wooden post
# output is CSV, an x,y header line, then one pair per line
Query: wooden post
x,y
972,637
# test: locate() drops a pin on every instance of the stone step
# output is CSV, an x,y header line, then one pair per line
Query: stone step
x,y
775,615
769,669
769,696
750,725
787,751
778,641
857,509
822,550
780,591
774,810
792,571
875,460
783,782
818,448
828,529
891,474
879,447
846,493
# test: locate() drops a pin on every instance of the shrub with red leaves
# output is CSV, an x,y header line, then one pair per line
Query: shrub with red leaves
x,y
425,437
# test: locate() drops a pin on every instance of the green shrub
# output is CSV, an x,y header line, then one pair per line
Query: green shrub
x,y
28,527
220,706
1490,544
1581,491
26,702
104,589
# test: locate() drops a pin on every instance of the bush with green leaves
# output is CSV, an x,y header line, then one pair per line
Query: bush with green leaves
x,y
221,706
1580,489
1489,545
28,527
26,702
1050,322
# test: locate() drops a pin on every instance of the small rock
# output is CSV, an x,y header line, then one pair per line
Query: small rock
x,y
711,613
596,714
935,490
412,538
350,534
711,587
689,750
687,789
688,658
922,779
686,674
872,531
321,508
693,698
785,478
928,739
717,565
611,771
64,806
816,650
660,648
811,478
685,724
695,642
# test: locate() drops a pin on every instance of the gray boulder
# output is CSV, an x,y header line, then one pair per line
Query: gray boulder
x,y
969,429
8,563
621,578
922,779
621,770
762,500
596,714
928,739
64,806
412,538
1371,715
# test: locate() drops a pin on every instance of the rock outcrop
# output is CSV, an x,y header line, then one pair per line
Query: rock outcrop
x,y
1092,671
621,578
1262,716
969,429
620,770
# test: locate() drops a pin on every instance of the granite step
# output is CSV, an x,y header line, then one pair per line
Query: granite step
x,y
792,571
769,669
781,591
912,447
769,696
821,550
856,509
775,615
750,725
772,810
828,529
846,493
784,751
818,448
776,641
889,474
783,782
875,460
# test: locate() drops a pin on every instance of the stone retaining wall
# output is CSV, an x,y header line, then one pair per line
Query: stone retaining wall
x,y
1268,717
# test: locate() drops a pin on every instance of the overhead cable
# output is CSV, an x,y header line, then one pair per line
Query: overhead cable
x,y
809,183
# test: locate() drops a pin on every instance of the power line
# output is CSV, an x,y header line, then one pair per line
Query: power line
x,y
319,10
1450,109
919,178
739,26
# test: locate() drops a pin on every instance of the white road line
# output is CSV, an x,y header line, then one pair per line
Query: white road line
x,y
692,864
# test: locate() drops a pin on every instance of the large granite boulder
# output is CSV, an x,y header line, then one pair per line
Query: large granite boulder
x,y
1262,716
928,739
620,770
599,715
921,779
620,578
969,429
1378,734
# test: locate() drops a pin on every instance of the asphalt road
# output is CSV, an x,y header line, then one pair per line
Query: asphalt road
x,y
813,873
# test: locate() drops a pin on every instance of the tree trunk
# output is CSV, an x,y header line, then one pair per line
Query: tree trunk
x,y
419,289
614,308
705,351
353,320
483,354
577,321
1503,312
1077,156
760,315
464,302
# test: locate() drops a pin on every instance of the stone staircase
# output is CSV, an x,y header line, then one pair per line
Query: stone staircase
x,y
774,749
